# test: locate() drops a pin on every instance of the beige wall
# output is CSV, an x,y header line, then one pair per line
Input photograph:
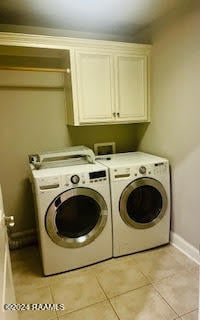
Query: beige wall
x,y
34,121
123,135
175,128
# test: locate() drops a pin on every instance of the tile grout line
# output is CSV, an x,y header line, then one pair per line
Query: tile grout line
x,y
137,267
99,284
147,284
146,277
118,295
107,298
164,278
165,300
110,303
185,314
92,304
79,309
186,270
53,300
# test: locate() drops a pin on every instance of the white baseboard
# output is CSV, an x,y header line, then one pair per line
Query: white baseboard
x,y
185,247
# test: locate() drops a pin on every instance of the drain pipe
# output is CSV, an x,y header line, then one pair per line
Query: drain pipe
x,y
18,240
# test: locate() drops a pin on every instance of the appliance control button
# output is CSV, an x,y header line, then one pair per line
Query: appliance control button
x,y
75,179
142,170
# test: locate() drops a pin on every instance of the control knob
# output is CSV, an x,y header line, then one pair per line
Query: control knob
x,y
75,179
142,170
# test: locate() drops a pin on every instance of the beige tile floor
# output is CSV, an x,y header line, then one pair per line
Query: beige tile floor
x,y
159,284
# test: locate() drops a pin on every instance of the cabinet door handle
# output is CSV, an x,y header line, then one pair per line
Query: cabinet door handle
x,y
114,114
118,114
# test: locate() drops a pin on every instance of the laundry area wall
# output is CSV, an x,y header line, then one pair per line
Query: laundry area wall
x,y
34,120
174,130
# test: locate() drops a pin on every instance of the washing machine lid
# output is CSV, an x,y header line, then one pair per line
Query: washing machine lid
x,y
66,157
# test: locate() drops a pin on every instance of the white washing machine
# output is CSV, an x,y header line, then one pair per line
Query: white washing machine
x,y
140,199
73,215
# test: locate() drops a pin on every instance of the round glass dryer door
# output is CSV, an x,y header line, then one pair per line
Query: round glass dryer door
x,y
143,203
76,217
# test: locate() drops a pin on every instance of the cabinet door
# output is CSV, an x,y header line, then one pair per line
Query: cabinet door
x,y
131,88
95,86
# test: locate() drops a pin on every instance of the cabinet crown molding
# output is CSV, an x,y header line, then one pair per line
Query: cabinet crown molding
x,y
55,42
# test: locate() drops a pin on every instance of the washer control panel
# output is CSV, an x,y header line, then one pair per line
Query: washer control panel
x,y
97,176
82,178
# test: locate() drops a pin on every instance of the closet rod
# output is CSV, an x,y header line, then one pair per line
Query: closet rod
x,y
33,88
33,69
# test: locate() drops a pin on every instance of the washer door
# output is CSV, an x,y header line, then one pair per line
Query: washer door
x,y
76,217
143,203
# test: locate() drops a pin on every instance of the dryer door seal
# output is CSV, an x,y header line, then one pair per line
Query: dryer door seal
x,y
76,217
143,203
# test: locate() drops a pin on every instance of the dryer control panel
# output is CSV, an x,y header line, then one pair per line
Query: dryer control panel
x,y
137,171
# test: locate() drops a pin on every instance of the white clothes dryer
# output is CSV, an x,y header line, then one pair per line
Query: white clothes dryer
x,y
73,215
140,200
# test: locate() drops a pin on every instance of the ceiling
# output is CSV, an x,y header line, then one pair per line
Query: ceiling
x,y
117,17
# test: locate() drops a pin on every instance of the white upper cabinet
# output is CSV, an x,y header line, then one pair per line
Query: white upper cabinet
x,y
131,88
109,86
94,75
